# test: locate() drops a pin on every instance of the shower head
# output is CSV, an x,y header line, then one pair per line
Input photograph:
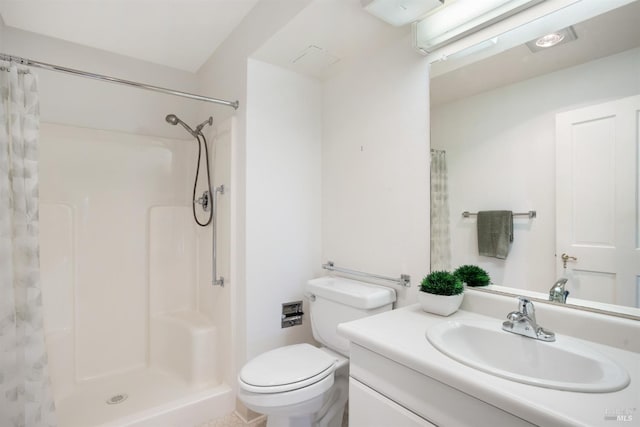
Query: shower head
x,y
209,122
174,120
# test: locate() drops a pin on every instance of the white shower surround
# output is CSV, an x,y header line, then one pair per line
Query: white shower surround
x,y
129,308
131,116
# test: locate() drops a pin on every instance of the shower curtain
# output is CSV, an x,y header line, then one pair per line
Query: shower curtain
x,y
440,239
26,397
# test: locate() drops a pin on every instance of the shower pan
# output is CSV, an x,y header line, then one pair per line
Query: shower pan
x,y
136,334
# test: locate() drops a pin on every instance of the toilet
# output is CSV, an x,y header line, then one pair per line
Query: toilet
x,y
306,386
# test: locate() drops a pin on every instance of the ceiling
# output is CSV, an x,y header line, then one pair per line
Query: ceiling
x,y
325,35
177,33
183,34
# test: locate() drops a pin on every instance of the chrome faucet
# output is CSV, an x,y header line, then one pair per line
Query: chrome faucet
x,y
557,292
523,322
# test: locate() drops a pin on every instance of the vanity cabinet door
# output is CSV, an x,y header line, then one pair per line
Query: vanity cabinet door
x,y
368,408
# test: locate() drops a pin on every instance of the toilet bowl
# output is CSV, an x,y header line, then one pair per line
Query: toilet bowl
x,y
293,382
302,385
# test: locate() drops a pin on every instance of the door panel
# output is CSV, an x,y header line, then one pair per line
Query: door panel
x,y
597,200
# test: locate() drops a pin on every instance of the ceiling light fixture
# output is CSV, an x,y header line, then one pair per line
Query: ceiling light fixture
x,y
400,12
461,18
550,40
556,38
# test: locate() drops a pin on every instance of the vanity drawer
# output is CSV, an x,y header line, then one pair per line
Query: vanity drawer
x,y
368,408
432,400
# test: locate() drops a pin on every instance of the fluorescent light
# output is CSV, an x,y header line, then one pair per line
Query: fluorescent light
x,y
463,17
400,12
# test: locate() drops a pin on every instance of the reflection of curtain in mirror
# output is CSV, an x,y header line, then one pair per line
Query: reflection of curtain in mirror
x,y
440,239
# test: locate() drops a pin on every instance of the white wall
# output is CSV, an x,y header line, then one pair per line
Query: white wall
x,y
375,169
501,155
82,102
225,75
379,102
283,239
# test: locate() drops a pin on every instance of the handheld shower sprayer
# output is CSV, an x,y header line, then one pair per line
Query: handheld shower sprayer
x,y
202,141
172,118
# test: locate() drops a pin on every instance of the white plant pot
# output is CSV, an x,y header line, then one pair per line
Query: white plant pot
x,y
444,305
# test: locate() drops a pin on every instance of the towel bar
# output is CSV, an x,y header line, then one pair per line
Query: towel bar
x,y
530,214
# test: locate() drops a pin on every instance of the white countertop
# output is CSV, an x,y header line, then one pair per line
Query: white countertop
x,y
400,335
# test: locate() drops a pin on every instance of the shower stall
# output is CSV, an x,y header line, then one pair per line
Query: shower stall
x,y
136,333
137,315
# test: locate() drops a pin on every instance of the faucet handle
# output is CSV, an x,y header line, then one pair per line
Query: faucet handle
x,y
525,306
522,304
528,310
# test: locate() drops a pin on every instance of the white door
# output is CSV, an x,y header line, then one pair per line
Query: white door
x,y
598,201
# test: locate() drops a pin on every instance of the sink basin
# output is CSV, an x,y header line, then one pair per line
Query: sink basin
x,y
565,364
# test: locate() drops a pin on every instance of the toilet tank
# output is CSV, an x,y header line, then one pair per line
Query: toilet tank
x,y
335,300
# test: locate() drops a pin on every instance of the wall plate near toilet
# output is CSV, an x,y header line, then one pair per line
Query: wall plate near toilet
x,y
291,314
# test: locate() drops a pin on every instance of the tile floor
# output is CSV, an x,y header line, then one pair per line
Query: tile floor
x,y
233,420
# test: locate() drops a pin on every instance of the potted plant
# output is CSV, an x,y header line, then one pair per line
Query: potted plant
x,y
472,275
441,292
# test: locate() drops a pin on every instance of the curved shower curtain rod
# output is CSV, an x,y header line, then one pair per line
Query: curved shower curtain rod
x,y
51,67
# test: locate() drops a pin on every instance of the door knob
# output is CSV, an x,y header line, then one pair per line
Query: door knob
x,y
566,258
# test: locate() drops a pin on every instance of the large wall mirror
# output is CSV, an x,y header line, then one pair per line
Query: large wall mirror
x,y
556,131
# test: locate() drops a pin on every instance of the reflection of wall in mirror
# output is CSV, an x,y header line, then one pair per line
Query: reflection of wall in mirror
x,y
501,155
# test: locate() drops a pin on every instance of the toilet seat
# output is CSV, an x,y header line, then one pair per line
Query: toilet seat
x,y
286,368
306,399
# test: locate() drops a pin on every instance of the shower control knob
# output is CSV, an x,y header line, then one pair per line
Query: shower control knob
x,y
204,201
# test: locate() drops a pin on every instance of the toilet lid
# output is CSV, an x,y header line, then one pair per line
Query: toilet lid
x,y
287,368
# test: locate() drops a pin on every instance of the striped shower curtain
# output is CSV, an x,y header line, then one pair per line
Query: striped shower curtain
x,y
440,239
25,390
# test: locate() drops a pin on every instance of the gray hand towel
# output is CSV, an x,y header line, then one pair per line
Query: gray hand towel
x,y
495,233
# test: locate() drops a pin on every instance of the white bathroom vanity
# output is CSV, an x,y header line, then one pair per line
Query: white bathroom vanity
x,y
398,378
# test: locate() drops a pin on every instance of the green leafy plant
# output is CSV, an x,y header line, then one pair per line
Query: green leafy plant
x,y
472,275
441,283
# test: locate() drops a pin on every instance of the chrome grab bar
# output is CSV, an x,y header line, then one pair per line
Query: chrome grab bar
x,y
214,223
404,280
